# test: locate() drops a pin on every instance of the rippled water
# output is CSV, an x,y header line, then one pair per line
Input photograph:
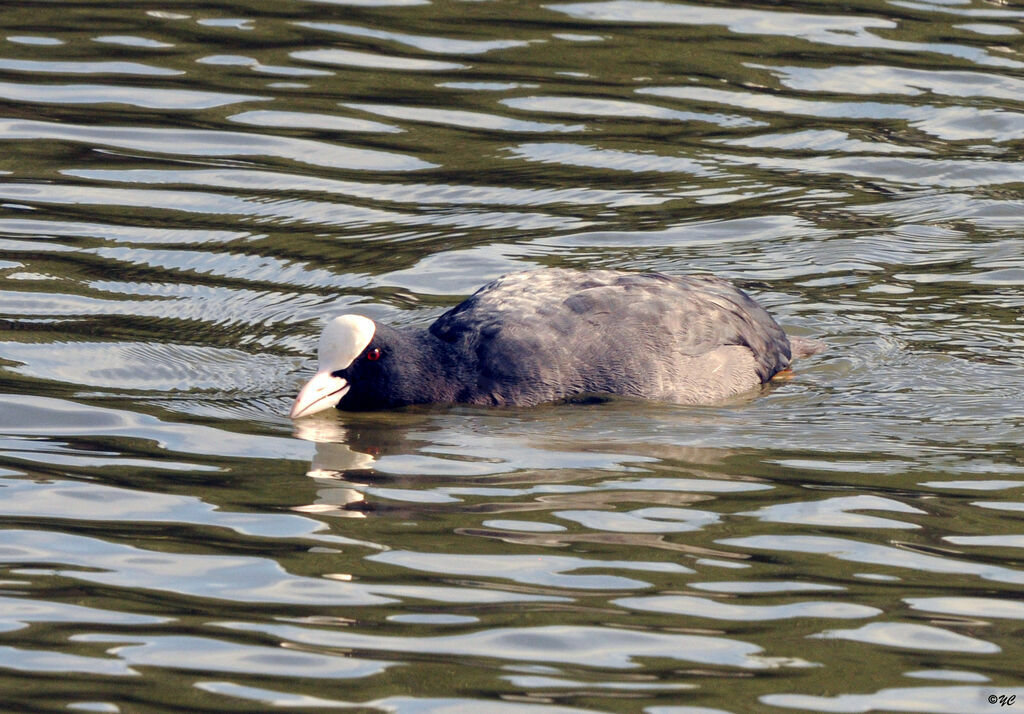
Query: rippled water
x,y
188,190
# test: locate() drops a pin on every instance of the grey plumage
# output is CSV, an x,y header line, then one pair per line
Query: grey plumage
x,y
547,335
544,335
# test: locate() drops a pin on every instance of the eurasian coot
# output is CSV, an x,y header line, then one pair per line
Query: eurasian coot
x,y
554,334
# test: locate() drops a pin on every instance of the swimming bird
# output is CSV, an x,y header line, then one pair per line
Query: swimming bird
x,y
556,334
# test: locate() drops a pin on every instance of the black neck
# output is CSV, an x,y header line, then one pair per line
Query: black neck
x,y
424,369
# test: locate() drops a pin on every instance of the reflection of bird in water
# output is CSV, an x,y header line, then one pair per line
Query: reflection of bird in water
x,y
547,335
336,457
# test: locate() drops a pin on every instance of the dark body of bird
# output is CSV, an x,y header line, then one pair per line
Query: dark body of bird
x,y
555,334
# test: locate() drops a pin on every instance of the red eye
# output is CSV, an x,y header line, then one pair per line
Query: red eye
x,y
373,355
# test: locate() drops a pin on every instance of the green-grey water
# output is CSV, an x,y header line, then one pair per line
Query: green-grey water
x,y
188,190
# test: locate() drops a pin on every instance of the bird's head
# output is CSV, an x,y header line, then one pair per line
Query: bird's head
x,y
350,352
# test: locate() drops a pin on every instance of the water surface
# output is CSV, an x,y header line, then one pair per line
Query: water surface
x,y
188,190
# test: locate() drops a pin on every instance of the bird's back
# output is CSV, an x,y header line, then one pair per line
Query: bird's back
x,y
550,334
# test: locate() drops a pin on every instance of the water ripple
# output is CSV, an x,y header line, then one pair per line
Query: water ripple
x,y
197,143
187,194
603,647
